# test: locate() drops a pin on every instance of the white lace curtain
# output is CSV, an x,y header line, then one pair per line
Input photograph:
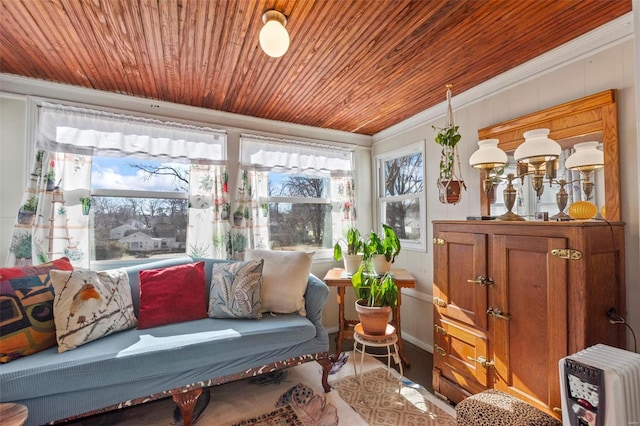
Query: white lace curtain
x,y
54,217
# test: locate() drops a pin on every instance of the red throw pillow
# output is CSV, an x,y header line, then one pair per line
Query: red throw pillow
x,y
26,309
173,294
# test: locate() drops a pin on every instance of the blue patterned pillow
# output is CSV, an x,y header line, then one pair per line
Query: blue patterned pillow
x,y
235,290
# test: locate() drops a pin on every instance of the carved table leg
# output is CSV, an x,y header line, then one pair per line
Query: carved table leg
x,y
326,368
186,401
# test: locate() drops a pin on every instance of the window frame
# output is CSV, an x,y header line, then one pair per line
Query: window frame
x,y
319,253
414,148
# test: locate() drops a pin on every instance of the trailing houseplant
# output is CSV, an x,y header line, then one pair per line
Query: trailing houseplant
x,y
382,250
355,249
376,296
450,184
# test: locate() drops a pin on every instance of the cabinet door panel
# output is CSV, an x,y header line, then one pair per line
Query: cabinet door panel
x,y
461,258
530,289
459,346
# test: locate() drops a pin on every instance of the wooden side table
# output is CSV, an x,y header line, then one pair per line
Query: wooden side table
x,y
12,414
338,278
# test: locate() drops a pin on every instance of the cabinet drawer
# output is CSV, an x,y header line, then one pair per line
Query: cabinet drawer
x,y
455,349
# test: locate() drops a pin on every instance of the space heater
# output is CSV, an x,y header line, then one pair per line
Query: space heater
x,y
600,386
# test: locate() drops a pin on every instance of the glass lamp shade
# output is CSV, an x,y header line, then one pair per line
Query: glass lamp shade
x,y
274,38
488,155
586,158
537,147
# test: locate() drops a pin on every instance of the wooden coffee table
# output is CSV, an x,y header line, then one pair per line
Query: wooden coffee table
x,y
338,278
12,414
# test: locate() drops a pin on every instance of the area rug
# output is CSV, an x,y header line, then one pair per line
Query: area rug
x,y
295,397
381,401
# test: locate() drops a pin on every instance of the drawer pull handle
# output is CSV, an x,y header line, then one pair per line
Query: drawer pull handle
x,y
439,302
439,350
498,313
440,330
482,361
557,410
482,281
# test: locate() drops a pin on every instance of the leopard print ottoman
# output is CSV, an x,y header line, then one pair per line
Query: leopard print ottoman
x,y
495,408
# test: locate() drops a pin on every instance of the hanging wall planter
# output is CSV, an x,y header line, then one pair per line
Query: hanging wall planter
x,y
450,181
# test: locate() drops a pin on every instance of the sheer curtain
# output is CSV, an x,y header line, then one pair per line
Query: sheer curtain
x,y
261,156
55,216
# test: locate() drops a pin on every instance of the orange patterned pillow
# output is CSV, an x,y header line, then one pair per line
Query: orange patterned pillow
x,y
26,309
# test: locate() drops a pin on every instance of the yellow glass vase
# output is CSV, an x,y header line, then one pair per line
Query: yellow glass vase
x,y
582,210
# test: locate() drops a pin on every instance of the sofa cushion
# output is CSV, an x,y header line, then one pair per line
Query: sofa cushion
x,y
26,309
284,279
235,290
173,294
89,305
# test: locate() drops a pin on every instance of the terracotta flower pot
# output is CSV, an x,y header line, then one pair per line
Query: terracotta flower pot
x,y
449,192
374,320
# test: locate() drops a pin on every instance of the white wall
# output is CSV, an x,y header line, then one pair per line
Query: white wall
x,y
12,168
611,68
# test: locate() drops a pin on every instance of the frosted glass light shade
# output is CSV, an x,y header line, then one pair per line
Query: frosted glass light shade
x,y
586,158
488,155
537,147
274,38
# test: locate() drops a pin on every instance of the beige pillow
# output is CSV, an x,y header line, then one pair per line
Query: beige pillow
x,y
89,305
284,279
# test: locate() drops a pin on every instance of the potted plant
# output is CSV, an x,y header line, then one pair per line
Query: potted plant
x,y
355,248
376,296
449,186
86,205
27,210
21,247
382,250
238,215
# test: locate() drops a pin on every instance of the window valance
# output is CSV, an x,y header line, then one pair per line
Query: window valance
x,y
86,131
289,156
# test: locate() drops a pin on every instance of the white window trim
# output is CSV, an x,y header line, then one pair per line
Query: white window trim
x,y
416,147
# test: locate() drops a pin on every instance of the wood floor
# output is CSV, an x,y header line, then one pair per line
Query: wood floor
x,y
421,361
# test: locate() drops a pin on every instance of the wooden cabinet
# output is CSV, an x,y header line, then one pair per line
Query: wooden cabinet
x,y
511,299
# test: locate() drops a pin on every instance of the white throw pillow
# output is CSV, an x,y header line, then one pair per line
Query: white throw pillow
x,y
89,305
284,279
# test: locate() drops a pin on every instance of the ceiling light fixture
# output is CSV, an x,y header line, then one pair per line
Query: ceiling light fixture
x,y
274,38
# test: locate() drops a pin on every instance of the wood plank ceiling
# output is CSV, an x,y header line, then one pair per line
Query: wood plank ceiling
x,y
354,65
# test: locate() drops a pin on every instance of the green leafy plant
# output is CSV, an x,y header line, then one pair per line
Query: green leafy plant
x,y
21,246
374,291
354,242
447,137
31,205
388,244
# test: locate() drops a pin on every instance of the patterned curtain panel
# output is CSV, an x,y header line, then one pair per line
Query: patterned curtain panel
x,y
209,232
53,220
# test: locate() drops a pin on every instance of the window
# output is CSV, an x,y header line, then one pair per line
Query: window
x,y
299,210
140,208
401,200
127,187
302,193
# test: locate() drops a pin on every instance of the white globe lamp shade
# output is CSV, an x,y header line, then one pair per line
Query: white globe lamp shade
x,y
537,147
586,158
488,155
274,38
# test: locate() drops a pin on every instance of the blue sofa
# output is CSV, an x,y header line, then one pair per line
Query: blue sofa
x,y
178,360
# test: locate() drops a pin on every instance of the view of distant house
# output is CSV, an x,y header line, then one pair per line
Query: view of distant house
x,y
120,231
135,236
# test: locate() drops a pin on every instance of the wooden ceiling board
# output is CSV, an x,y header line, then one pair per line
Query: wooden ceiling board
x,y
353,65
